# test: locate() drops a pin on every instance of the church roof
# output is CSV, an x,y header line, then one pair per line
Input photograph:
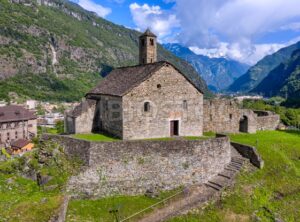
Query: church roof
x,y
121,80
148,33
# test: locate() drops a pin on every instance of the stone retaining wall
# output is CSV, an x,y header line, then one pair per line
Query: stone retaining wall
x,y
133,167
268,122
250,153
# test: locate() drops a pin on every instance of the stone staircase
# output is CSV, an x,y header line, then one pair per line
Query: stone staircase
x,y
200,194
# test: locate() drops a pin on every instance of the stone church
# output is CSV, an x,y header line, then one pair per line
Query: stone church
x,y
150,100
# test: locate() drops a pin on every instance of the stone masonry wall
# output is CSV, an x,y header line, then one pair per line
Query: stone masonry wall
x,y
171,97
132,167
84,122
108,115
268,122
225,116
221,115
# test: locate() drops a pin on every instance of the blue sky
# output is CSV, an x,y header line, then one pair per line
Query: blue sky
x,y
244,30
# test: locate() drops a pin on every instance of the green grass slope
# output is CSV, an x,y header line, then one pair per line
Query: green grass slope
x,y
264,195
59,52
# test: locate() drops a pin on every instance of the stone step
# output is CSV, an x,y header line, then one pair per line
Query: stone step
x,y
238,162
213,186
239,159
229,169
215,183
224,175
235,165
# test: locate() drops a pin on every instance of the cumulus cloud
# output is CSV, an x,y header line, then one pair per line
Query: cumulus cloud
x,y
207,25
93,7
160,22
205,22
233,51
227,28
295,26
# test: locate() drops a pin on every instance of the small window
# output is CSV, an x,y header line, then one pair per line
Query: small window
x,y
146,107
210,117
143,42
151,42
185,105
158,86
230,116
16,135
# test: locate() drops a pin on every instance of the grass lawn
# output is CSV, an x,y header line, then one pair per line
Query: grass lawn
x,y
98,210
107,138
263,195
95,137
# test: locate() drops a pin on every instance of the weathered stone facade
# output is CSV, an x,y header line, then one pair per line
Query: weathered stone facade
x,y
221,115
133,167
224,115
170,97
109,116
81,119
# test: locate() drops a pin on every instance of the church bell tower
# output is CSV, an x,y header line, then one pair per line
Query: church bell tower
x,y
148,48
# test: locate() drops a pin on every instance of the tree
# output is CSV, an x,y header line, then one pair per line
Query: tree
x,y
60,127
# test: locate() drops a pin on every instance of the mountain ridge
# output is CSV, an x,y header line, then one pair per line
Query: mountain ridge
x,y
56,50
261,69
284,80
218,73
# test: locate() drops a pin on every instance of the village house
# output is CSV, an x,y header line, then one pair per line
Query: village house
x,y
16,122
20,146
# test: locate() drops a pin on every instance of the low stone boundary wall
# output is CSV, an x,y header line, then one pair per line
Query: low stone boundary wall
x,y
133,167
250,153
268,122
72,147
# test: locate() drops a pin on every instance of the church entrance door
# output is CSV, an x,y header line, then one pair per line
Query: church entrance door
x,y
174,128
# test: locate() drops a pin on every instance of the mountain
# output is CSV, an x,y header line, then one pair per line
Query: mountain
x,y
56,50
284,80
259,71
218,73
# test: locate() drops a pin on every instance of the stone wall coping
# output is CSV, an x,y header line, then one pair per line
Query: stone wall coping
x,y
218,136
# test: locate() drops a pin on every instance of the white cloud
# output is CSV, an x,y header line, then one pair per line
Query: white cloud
x,y
93,7
295,26
233,51
153,17
206,22
221,28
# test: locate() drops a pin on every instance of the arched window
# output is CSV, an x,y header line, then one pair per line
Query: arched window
x,y
146,107
151,42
